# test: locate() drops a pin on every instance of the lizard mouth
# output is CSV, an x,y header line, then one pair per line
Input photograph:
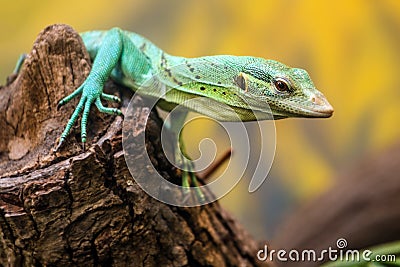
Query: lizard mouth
x,y
324,111
320,113
317,107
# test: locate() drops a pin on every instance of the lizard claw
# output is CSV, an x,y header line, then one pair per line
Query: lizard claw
x,y
110,97
59,145
59,105
186,197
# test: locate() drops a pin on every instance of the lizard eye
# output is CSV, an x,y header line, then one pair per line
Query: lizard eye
x,y
281,85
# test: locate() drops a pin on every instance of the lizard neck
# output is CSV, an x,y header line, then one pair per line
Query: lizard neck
x,y
218,70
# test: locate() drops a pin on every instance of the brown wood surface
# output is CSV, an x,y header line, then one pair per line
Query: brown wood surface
x,y
76,208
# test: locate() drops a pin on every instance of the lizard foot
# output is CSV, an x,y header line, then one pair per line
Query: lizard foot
x,y
90,94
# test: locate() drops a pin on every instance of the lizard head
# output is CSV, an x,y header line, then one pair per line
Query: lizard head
x,y
288,91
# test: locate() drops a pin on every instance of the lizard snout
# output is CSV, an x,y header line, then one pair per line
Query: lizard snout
x,y
321,105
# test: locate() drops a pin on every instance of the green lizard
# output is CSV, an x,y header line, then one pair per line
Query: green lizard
x,y
253,87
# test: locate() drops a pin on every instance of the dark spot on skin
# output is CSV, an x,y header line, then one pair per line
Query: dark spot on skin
x,y
202,88
223,93
143,47
214,90
168,71
177,82
189,65
197,77
163,60
191,69
219,82
180,83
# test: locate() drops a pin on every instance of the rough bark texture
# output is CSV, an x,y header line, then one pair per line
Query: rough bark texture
x,y
363,208
83,208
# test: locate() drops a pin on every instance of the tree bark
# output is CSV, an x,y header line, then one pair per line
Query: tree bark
x,y
83,208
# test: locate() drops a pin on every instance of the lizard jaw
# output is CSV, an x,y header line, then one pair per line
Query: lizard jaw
x,y
324,111
316,107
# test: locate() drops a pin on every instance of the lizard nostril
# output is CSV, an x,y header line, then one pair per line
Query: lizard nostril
x,y
313,99
317,100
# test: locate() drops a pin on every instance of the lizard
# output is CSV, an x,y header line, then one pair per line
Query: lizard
x,y
253,88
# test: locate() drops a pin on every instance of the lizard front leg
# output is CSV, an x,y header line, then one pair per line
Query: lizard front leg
x,y
91,90
175,124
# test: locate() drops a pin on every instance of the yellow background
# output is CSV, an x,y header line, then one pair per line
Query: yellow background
x,y
350,49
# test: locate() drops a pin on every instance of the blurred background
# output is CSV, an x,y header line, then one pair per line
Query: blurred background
x,y
349,48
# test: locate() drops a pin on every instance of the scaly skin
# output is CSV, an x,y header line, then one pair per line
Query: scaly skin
x,y
253,87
